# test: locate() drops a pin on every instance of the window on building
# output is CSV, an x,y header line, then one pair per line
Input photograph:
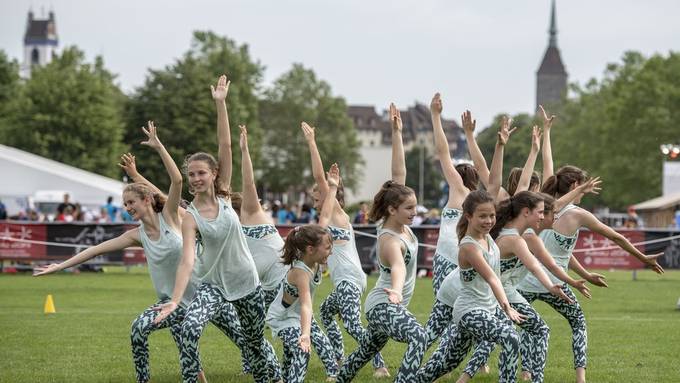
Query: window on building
x,y
35,57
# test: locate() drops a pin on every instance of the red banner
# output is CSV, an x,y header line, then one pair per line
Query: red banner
x,y
21,248
588,242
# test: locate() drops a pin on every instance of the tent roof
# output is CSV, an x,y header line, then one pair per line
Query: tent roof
x,y
662,202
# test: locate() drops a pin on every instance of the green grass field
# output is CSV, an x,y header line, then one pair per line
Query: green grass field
x,y
633,331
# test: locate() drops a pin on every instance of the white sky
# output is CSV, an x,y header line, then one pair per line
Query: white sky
x,y
481,55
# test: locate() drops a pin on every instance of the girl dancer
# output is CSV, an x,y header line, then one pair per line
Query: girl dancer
x,y
159,235
225,266
560,242
476,313
394,206
348,278
266,245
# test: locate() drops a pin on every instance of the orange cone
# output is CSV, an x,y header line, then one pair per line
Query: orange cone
x,y
49,305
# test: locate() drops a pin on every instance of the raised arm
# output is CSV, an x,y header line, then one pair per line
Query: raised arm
x,y
251,202
329,201
128,164
594,278
171,207
528,170
398,160
475,153
128,239
184,269
317,165
537,248
473,256
547,149
390,255
219,94
591,186
588,220
457,190
496,174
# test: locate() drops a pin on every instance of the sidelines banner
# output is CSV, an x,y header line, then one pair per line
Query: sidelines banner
x,y
588,251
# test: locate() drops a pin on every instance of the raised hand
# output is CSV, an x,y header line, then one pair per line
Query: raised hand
x,y
243,138
308,131
45,269
219,92
128,164
304,343
436,106
581,286
597,279
556,290
535,139
395,117
468,123
650,260
547,121
152,138
393,296
333,176
592,185
164,311
504,132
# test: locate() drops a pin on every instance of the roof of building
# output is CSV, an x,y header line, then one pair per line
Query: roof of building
x,y
659,203
44,29
552,62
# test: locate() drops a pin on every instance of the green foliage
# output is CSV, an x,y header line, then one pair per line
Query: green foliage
x,y
69,111
298,95
432,176
613,127
178,99
9,92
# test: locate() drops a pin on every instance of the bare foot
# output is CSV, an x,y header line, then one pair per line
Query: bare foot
x,y
486,369
526,376
381,372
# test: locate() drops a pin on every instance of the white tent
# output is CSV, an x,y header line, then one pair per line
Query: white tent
x,y
24,174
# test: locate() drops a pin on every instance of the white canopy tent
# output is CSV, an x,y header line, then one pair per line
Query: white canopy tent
x,y
24,175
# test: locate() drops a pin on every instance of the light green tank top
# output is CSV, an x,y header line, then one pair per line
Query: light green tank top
x,y
512,271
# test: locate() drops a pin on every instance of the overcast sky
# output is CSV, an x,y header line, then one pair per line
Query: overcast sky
x,y
481,55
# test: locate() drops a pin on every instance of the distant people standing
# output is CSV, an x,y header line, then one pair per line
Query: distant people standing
x,y
282,216
111,209
3,211
361,216
67,203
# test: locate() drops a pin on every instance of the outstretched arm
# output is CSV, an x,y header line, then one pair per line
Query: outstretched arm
x,y
171,207
528,170
219,94
588,220
547,149
317,165
457,190
475,153
398,160
251,202
329,201
128,239
128,164
496,174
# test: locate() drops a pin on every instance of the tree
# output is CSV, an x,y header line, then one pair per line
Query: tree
x,y
613,127
432,176
178,99
70,111
10,92
299,96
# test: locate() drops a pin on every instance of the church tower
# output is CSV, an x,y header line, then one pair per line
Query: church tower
x,y
551,77
40,42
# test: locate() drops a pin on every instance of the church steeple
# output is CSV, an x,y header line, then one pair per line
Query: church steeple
x,y
551,77
40,41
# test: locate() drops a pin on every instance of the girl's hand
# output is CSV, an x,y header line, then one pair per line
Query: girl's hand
x,y
304,343
243,139
219,93
436,106
127,163
308,131
504,131
547,122
45,269
556,290
591,186
468,123
535,139
152,138
650,260
164,311
580,285
597,280
333,176
393,296
513,314
395,117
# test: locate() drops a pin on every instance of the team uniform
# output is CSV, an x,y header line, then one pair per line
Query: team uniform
x,y
446,255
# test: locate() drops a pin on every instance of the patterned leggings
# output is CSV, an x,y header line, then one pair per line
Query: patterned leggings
x,y
479,324
295,360
385,321
139,335
535,329
245,321
572,313
345,300
441,267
